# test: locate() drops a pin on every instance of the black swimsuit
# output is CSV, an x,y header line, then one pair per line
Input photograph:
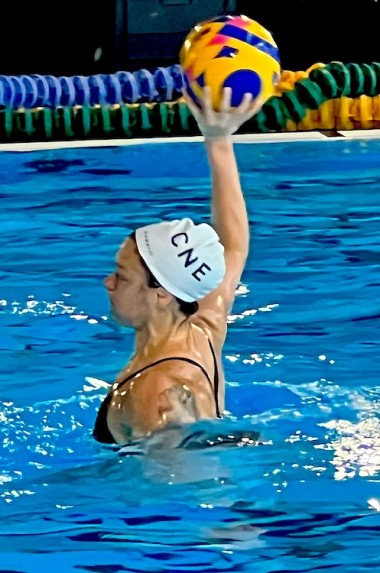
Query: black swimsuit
x,y
101,431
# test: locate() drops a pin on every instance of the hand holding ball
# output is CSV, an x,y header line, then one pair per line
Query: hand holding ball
x,y
230,52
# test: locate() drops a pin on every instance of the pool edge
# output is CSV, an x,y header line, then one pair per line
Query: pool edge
x,y
283,137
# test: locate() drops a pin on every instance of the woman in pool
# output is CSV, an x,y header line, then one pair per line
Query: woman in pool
x,y
175,283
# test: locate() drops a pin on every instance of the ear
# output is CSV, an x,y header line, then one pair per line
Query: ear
x,y
164,297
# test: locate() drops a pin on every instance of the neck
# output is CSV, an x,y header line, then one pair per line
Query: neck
x,y
152,338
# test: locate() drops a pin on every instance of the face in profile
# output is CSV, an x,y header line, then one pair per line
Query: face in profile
x,y
127,287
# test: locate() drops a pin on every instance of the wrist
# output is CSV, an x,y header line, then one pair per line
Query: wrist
x,y
222,143
215,132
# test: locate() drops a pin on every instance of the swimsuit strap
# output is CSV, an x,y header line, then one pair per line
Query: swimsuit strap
x,y
214,387
216,380
141,370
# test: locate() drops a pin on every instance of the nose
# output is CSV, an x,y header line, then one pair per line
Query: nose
x,y
110,282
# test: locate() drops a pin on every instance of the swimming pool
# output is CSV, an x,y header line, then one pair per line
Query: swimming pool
x,y
301,360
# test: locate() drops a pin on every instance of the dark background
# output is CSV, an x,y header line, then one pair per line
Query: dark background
x,y
103,36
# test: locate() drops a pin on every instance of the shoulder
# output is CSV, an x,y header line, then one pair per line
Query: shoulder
x,y
161,375
175,371
176,401
175,383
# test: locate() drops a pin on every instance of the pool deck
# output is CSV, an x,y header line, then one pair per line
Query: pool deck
x,y
248,138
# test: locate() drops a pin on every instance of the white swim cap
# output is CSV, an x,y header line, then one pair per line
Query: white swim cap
x,y
186,259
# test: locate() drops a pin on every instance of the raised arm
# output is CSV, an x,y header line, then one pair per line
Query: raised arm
x,y
229,213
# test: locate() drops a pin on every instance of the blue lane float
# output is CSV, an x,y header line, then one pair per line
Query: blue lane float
x,y
29,92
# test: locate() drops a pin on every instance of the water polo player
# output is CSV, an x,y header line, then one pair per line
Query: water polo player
x,y
174,284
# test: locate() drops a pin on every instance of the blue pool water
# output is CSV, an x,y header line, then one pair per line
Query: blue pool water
x,y
301,360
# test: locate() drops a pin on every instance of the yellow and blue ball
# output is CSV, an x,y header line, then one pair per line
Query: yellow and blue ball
x,y
230,51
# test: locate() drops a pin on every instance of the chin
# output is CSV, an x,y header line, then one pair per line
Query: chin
x,y
115,317
120,320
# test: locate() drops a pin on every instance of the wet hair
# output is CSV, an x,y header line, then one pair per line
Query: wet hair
x,y
188,308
